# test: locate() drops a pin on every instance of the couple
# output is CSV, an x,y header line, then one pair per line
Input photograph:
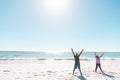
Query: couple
x,y
77,62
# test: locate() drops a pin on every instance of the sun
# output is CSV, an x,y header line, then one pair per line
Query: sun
x,y
56,7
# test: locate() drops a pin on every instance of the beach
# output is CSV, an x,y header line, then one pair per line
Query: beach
x,y
57,69
48,39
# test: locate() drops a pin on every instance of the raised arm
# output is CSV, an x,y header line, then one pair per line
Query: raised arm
x,y
95,54
81,52
72,51
101,55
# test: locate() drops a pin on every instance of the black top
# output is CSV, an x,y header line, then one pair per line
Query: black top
x,y
76,59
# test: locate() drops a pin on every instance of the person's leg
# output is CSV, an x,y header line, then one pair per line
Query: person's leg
x,y
100,68
96,67
73,71
79,68
74,68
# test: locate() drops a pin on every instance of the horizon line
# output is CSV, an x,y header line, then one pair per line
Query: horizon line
x,y
49,51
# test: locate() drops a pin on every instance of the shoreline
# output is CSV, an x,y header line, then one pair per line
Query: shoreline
x,y
32,58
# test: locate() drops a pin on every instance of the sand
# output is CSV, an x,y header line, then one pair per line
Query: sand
x,y
51,69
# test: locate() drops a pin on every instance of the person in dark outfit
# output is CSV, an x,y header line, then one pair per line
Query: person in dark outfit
x,y
77,60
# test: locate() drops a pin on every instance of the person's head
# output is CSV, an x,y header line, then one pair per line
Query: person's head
x,y
97,56
76,54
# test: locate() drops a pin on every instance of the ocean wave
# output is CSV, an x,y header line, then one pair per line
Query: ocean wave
x,y
82,59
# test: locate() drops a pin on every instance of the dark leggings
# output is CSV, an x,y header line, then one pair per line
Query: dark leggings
x,y
98,65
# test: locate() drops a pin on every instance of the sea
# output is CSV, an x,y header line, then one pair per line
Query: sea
x,y
57,55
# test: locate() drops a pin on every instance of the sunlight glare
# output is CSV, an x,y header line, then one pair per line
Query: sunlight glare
x,y
56,7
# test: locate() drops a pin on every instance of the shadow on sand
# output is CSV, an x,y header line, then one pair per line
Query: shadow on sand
x,y
110,76
81,77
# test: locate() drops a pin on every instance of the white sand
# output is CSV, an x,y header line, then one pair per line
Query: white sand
x,y
57,70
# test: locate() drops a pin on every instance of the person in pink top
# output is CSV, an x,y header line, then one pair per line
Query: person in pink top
x,y
98,64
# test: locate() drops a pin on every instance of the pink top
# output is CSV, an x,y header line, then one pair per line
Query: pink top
x,y
97,60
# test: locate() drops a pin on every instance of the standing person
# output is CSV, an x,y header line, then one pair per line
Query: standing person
x,y
77,60
98,64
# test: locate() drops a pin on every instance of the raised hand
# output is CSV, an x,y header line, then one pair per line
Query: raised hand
x,y
81,52
95,53
72,51
102,55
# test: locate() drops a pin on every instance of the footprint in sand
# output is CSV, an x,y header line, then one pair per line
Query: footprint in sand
x,y
35,75
28,72
20,72
28,77
42,75
69,73
17,78
6,71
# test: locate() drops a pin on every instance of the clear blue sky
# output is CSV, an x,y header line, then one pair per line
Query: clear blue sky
x,y
37,25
